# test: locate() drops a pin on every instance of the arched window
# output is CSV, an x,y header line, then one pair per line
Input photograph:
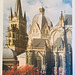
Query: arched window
x,y
60,61
9,34
33,30
14,35
9,42
46,32
39,62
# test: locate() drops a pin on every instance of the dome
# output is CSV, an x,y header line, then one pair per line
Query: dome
x,y
8,53
41,20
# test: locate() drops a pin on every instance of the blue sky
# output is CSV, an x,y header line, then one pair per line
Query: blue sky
x,y
68,1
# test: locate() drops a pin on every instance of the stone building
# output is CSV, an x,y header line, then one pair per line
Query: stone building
x,y
17,32
21,58
50,48
38,37
60,39
9,58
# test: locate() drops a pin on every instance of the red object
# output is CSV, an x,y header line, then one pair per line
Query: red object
x,y
26,70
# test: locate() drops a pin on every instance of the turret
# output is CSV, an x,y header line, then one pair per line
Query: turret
x,y
25,21
17,26
11,14
61,19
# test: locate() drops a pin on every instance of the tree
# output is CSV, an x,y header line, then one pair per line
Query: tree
x,y
26,70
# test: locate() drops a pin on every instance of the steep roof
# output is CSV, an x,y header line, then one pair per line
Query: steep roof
x,y
68,19
41,20
38,42
22,55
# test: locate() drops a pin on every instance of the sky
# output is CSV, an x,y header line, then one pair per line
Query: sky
x,y
31,7
53,9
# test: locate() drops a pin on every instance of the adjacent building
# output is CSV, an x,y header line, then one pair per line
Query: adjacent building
x,y
9,58
17,32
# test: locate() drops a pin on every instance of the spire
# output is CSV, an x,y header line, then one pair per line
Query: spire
x,y
18,9
11,14
61,17
25,16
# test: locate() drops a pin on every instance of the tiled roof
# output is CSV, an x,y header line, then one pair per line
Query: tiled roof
x,y
22,55
38,42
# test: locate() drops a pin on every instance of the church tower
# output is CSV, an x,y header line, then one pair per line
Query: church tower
x,y
17,30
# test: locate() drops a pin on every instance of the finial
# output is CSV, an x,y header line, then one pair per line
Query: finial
x,y
11,14
61,14
42,10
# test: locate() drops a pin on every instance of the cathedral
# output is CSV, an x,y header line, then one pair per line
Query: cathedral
x,y
47,46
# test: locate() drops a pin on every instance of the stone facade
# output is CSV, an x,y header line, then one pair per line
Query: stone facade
x,y
17,32
55,52
9,58
48,48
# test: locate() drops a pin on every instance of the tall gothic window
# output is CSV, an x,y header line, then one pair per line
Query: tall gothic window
x,y
9,34
39,62
14,35
36,30
13,42
33,30
60,61
9,42
46,32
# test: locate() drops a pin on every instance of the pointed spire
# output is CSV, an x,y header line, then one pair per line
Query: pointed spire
x,y
11,14
25,16
61,17
18,9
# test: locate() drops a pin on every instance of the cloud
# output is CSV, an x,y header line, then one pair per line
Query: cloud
x,y
52,9
68,2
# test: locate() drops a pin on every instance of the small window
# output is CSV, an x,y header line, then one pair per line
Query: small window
x,y
9,42
14,35
33,30
11,25
46,31
9,34
15,25
13,42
